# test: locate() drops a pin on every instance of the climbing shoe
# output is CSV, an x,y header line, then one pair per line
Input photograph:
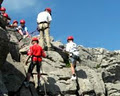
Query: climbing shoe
x,y
73,78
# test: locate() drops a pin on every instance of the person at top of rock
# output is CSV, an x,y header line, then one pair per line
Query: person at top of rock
x,y
6,18
36,53
23,29
71,48
43,20
2,12
15,24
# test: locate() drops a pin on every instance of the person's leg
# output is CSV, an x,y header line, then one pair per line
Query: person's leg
x,y
73,68
47,36
73,65
29,74
38,72
41,41
30,69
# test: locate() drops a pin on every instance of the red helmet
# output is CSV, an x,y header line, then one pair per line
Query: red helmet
x,y
22,21
5,15
35,39
15,21
48,9
70,38
2,9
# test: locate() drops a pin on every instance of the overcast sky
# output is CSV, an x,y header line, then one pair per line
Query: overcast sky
x,y
93,23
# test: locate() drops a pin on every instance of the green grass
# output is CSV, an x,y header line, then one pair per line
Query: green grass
x,y
97,66
67,63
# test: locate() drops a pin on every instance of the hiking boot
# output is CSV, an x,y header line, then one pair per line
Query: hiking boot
x,y
73,78
26,83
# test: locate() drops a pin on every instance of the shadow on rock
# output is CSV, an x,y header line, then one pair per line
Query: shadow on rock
x,y
13,77
81,74
51,88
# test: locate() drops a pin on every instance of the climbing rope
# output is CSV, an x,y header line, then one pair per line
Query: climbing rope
x,y
45,89
33,32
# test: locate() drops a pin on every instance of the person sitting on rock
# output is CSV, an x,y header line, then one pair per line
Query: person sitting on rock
x,y
36,53
15,24
6,18
23,29
2,12
71,48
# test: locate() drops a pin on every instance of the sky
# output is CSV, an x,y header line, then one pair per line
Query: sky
x,y
92,23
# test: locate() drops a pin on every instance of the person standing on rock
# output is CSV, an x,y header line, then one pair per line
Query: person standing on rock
x,y
71,48
35,53
43,20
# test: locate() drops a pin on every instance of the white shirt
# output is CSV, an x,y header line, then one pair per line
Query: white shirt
x,y
72,48
44,17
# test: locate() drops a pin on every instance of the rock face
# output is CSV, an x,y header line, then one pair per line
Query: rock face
x,y
106,63
12,72
13,78
58,81
4,49
98,74
1,2
3,89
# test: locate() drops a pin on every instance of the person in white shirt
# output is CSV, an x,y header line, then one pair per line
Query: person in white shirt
x,y
71,48
43,20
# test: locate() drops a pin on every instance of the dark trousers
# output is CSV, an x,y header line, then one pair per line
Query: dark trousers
x,y
32,65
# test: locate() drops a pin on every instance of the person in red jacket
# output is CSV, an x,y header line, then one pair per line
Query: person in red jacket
x,y
35,53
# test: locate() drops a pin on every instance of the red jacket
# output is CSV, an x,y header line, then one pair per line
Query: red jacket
x,y
36,52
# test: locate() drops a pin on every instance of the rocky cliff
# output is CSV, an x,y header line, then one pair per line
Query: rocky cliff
x,y
1,2
98,74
